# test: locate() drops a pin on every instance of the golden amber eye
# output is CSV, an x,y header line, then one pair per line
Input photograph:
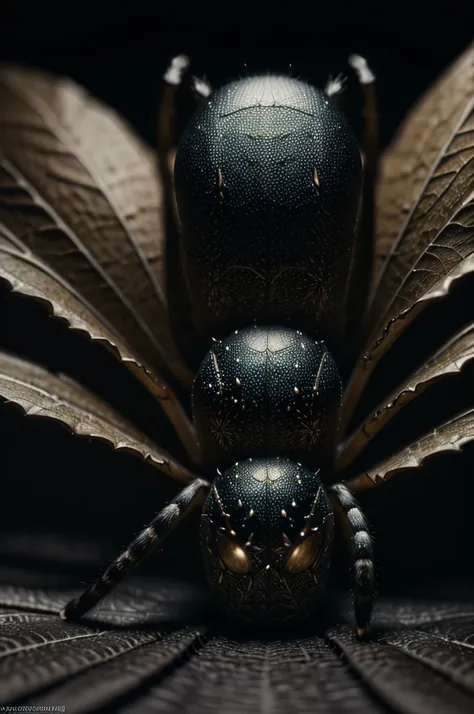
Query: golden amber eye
x,y
232,555
303,555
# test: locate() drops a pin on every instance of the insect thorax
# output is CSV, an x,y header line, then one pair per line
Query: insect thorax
x,y
268,186
267,391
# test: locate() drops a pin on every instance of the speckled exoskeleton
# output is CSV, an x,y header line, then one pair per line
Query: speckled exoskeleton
x,y
268,185
270,250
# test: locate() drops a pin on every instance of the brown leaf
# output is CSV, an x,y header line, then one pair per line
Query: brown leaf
x,y
449,360
408,160
136,657
435,248
40,393
447,199
177,293
79,191
450,436
29,276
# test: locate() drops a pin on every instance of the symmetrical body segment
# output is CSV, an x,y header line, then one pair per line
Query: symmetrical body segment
x,y
268,183
266,533
268,186
271,391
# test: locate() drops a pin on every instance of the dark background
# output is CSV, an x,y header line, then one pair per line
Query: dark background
x,y
57,489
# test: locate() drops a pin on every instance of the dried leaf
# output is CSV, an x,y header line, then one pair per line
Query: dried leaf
x,y
123,671
29,276
91,664
417,145
297,674
440,233
177,293
42,651
399,680
450,436
449,360
135,603
420,662
430,645
40,393
80,192
435,248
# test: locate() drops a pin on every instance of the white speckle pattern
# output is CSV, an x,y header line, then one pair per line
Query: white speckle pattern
x,y
278,143
245,401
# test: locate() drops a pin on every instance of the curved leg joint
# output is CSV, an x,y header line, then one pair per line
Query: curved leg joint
x,y
356,528
147,541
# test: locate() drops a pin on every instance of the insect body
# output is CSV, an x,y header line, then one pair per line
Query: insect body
x,y
268,185
275,230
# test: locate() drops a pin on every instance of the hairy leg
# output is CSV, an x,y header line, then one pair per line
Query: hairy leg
x,y
148,540
177,295
364,249
355,527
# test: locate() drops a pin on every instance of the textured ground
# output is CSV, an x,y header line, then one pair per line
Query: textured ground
x,y
157,646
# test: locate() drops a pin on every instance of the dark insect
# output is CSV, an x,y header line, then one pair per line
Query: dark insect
x,y
287,264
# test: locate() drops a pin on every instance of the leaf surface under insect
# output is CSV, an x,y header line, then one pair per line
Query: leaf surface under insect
x,y
396,675
450,436
40,393
419,660
449,360
42,651
80,192
295,674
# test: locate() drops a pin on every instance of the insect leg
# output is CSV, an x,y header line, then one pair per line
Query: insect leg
x,y
364,250
355,528
148,540
335,89
177,296
370,142
165,129
201,88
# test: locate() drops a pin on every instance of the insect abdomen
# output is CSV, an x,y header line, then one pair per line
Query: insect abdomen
x,y
268,182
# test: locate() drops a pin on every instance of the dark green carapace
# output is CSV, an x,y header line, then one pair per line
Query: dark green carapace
x,y
268,182
269,390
